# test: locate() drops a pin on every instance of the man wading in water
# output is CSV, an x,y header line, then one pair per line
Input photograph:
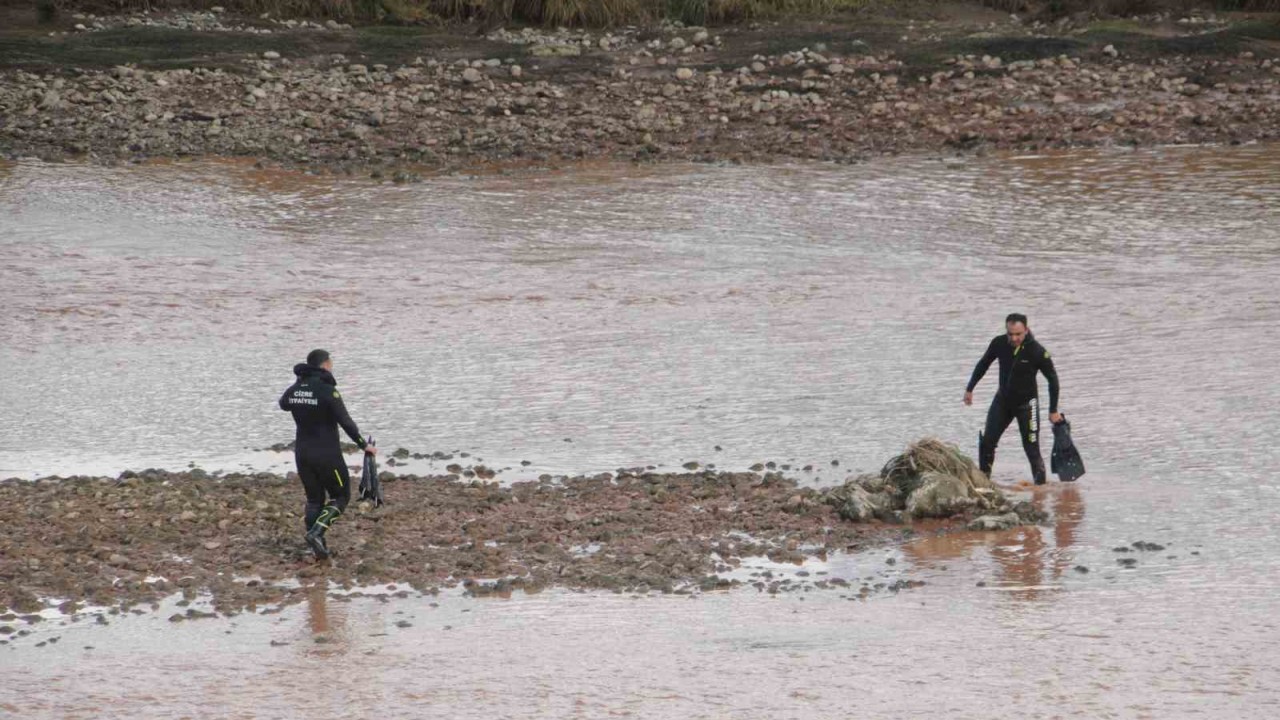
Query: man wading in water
x,y
318,410
1021,357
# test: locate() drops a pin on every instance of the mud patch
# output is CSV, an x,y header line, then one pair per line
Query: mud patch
x,y
237,539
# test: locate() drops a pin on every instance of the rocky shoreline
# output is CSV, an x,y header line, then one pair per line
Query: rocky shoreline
x,y
671,93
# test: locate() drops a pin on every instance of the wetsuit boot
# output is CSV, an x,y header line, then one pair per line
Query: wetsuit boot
x,y
1037,472
986,455
315,536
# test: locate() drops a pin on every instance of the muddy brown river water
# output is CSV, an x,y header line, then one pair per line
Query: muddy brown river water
x,y
618,316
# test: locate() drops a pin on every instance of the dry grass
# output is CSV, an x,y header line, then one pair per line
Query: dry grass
x,y
568,13
609,13
930,455
1126,8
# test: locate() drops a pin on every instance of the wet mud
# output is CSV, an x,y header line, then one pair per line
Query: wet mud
x,y
237,539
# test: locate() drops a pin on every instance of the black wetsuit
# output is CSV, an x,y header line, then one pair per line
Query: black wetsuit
x,y
318,410
1017,398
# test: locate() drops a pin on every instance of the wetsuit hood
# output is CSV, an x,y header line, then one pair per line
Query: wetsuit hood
x,y
303,370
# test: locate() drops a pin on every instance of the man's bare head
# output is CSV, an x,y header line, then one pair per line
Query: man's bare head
x,y
1016,325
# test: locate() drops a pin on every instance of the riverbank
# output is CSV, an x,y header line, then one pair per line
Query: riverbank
x,y
401,102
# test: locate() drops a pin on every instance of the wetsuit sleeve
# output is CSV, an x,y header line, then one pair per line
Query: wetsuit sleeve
x,y
981,368
344,419
1051,375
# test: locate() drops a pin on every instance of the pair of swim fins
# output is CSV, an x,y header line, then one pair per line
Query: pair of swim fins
x,y
1065,460
370,488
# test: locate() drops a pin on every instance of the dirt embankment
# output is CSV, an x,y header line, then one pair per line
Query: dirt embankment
x,y
410,100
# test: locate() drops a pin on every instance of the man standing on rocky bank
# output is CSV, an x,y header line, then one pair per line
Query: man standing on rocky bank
x,y
1021,357
318,410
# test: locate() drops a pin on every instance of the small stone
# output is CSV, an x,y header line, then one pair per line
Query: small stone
x,y
684,74
212,545
472,76
517,71
271,55
1110,51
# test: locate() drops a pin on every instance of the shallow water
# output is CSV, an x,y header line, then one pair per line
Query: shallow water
x,y
799,314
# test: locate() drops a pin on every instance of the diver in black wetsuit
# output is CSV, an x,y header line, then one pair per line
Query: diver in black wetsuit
x,y
318,410
1021,357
